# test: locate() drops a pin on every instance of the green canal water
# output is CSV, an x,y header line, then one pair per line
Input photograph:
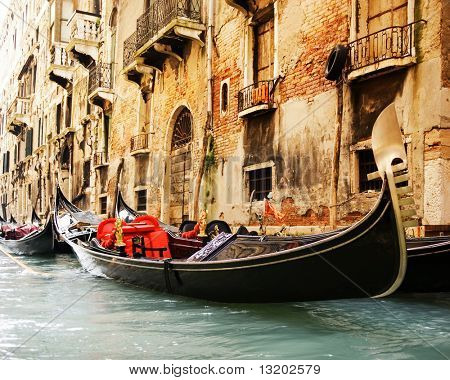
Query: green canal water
x,y
73,315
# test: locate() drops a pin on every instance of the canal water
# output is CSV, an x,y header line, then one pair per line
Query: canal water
x,y
72,315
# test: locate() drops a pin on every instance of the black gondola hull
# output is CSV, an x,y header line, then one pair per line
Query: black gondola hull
x,y
40,243
360,262
428,267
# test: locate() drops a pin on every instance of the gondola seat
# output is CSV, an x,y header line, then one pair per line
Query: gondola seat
x,y
142,237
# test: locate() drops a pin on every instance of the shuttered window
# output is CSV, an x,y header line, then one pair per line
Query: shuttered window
x,y
29,143
386,13
264,49
5,162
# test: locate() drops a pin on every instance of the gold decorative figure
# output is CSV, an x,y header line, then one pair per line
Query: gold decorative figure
x,y
202,223
119,233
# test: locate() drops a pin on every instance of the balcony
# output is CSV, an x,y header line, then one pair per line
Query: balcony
x,y
245,6
84,37
163,30
100,85
256,99
61,66
388,49
134,69
18,115
139,144
100,160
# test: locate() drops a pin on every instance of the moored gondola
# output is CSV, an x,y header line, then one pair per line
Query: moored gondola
x,y
428,258
39,242
367,259
428,265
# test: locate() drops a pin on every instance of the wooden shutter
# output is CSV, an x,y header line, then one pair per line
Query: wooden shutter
x,y
264,50
385,13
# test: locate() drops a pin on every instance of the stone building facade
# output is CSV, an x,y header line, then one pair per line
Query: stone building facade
x,y
214,104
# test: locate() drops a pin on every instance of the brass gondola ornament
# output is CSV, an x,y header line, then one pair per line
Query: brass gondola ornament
x,y
119,244
202,223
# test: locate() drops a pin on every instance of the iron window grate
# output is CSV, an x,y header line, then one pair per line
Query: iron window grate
x,y
260,182
367,165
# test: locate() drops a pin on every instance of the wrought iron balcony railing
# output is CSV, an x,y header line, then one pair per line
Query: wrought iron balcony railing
x,y
100,159
59,56
161,13
129,49
257,94
100,76
388,43
84,26
139,142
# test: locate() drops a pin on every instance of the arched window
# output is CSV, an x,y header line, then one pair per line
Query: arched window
x,y
224,98
182,132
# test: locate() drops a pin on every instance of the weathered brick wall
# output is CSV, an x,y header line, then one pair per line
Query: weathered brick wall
x,y
308,31
228,64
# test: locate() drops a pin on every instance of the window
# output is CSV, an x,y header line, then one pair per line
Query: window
x,y
366,165
106,136
29,143
103,201
5,162
141,200
40,133
58,118
263,61
259,183
224,97
68,111
86,173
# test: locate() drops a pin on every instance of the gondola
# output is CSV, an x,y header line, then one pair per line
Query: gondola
x,y
365,260
40,242
428,257
428,265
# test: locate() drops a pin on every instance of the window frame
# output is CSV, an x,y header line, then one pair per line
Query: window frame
x,y
252,168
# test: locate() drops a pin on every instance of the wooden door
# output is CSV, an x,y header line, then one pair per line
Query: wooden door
x,y
180,168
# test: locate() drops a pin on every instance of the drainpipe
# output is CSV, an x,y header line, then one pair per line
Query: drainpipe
x,y
209,57
209,122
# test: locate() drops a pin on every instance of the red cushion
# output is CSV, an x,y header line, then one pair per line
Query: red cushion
x,y
146,226
106,227
147,219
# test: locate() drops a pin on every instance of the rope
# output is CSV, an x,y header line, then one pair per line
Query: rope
x,y
24,266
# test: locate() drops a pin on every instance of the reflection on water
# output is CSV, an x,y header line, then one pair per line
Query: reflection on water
x,y
103,319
